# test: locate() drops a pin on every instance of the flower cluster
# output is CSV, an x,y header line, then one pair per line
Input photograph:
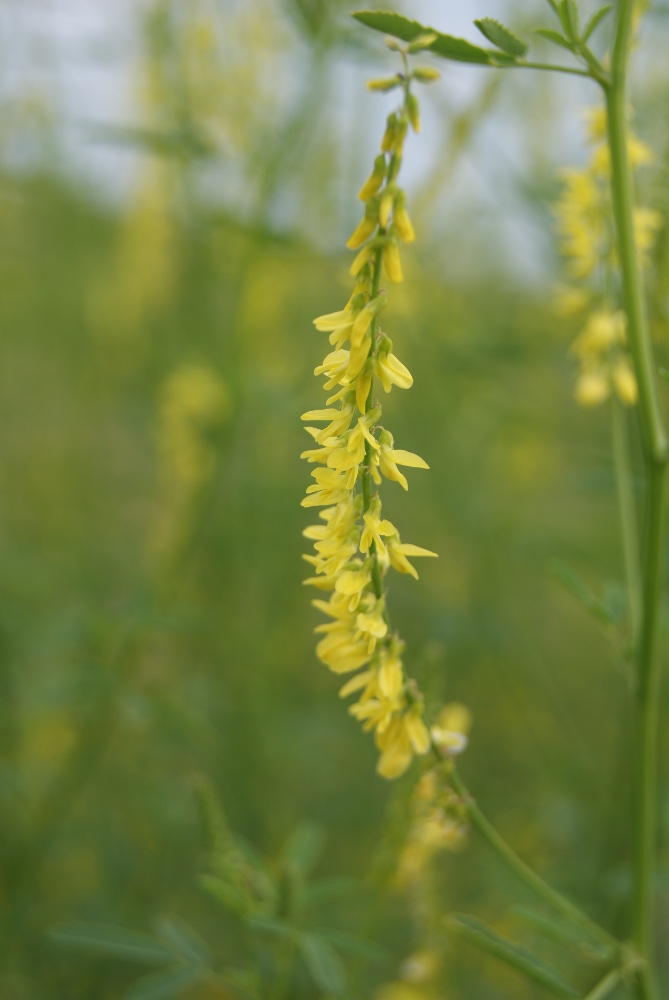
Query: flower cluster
x,y
354,545
585,227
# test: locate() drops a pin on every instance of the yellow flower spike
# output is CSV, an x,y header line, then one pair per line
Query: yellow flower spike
x,y
375,180
592,388
625,383
401,219
392,263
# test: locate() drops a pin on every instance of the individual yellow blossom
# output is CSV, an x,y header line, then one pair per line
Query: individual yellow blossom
x,y
392,263
389,458
625,382
375,180
592,388
398,552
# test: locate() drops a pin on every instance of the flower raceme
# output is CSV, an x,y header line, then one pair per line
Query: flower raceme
x,y
585,227
354,545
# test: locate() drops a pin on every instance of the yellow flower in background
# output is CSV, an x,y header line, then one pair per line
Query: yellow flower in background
x,y
584,217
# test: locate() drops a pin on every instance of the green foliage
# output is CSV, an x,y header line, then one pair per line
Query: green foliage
x,y
501,36
484,937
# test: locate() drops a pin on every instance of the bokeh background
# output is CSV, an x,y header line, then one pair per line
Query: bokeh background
x,y
177,181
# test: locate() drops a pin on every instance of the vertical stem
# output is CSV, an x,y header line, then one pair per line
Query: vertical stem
x,y
628,518
655,460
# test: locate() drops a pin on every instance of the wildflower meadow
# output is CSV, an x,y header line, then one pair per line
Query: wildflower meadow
x,y
333,500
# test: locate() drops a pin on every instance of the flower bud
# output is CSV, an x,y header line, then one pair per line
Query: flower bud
x,y
426,74
390,135
385,208
375,179
392,263
384,83
401,219
365,227
422,41
413,113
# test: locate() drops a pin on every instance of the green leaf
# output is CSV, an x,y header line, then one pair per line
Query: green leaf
x,y
446,46
107,939
304,847
163,985
569,579
561,933
596,20
186,942
555,37
500,36
268,925
225,893
568,14
329,888
323,963
354,945
479,934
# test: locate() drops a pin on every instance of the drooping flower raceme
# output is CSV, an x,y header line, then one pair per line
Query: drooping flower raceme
x,y
585,226
354,544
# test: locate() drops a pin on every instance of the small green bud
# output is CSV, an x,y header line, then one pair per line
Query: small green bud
x,y
393,44
426,74
422,41
413,112
385,83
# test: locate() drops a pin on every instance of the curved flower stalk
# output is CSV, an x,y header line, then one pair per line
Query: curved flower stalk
x,y
585,226
355,546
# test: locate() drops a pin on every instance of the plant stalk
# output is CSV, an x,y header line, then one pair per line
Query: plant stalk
x,y
527,875
644,819
628,518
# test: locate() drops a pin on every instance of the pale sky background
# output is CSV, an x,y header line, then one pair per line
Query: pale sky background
x,y
79,56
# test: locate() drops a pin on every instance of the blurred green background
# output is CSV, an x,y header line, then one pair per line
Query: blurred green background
x,y
160,272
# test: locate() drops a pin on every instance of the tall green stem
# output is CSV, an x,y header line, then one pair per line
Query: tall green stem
x,y
655,460
527,875
628,518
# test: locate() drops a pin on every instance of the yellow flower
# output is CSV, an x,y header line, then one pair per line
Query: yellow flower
x,y
390,458
375,180
402,221
392,263
398,552
592,388
391,371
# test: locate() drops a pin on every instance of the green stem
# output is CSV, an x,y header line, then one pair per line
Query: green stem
x,y
526,874
605,986
556,69
628,517
655,460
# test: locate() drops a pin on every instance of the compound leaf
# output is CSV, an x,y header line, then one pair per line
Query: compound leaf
x,y
500,36
446,46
